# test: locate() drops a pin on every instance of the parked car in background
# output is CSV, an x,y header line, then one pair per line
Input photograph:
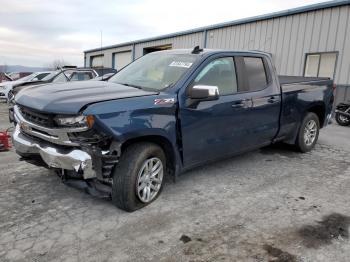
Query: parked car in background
x,y
105,70
60,76
18,75
105,77
6,87
5,77
165,113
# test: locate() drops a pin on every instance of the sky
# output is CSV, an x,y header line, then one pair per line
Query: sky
x,y
38,32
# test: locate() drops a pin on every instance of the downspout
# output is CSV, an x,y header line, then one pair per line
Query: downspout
x,y
205,34
133,52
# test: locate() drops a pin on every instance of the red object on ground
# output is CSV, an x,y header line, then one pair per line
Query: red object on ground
x,y
4,141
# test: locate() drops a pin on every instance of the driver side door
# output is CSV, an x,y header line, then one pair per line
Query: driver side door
x,y
214,129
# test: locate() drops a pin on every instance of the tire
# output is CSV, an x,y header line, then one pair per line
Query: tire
x,y
126,176
341,120
305,142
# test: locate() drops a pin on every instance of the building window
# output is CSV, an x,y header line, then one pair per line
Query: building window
x,y
320,64
96,61
151,49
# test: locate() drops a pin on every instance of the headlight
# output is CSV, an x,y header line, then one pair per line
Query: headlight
x,y
2,87
75,121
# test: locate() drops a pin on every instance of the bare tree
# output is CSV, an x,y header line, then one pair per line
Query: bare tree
x,y
58,63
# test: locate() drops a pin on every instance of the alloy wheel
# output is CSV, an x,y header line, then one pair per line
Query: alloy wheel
x,y
149,180
310,132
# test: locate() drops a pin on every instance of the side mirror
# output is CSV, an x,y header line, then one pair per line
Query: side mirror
x,y
202,92
35,79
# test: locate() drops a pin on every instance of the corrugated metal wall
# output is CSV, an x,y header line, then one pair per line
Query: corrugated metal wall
x,y
107,55
287,38
184,41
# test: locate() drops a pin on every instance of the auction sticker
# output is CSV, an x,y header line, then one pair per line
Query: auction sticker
x,y
181,64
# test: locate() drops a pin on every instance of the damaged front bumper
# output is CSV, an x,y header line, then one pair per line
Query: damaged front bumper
x,y
55,157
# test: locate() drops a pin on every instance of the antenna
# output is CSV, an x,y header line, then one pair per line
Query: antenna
x,y
101,56
196,50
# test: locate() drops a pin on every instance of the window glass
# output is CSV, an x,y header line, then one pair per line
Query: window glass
x,y
312,62
81,76
50,76
320,65
27,78
61,78
256,75
327,65
41,76
221,73
155,71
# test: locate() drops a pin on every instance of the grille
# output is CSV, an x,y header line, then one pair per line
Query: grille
x,y
35,117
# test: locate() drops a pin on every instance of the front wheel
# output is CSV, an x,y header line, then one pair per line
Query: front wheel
x,y
308,133
138,178
342,120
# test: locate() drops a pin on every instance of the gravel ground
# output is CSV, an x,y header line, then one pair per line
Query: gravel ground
x,y
272,204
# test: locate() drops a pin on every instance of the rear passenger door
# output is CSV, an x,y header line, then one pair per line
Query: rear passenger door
x,y
256,80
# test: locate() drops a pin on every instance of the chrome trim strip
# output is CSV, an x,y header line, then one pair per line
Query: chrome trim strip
x,y
68,159
53,135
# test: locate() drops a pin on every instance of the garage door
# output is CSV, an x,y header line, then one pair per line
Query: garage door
x,y
97,61
121,59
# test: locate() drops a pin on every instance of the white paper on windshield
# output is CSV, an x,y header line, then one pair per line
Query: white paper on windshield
x,y
181,64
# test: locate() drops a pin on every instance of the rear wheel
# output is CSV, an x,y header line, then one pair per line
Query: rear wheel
x,y
342,120
138,178
308,133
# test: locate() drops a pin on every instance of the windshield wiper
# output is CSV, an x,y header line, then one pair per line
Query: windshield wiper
x,y
125,84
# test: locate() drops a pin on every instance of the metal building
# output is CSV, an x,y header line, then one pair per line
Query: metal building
x,y
313,41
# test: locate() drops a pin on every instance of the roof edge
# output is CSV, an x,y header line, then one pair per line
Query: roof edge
x,y
287,12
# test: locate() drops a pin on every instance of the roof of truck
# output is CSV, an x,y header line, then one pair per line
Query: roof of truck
x,y
209,51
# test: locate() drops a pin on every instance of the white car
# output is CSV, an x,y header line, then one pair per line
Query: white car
x,y
6,87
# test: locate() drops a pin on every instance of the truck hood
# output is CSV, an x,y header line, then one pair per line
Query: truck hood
x,y
70,98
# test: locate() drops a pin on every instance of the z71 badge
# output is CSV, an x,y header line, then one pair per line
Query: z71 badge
x,y
164,101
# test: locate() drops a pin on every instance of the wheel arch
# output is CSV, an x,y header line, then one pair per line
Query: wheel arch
x,y
161,141
320,110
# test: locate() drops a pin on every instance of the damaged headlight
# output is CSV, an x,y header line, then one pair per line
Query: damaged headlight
x,y
75,121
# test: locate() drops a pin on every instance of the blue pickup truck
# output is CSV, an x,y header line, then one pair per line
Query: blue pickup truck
x,y
165,113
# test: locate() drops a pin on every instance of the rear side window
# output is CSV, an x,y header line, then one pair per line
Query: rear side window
x,y
81,76
256,74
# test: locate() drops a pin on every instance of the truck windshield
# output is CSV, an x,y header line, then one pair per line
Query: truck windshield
x,y
155,71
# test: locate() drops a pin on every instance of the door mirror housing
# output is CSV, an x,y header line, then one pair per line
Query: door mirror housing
x,y
203,92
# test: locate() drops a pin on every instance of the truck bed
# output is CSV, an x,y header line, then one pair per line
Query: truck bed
x,y
287,80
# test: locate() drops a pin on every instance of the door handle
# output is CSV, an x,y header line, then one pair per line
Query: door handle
x,y
272,100
242,104
238,105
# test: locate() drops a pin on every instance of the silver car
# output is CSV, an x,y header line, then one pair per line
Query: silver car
x,y
6,87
